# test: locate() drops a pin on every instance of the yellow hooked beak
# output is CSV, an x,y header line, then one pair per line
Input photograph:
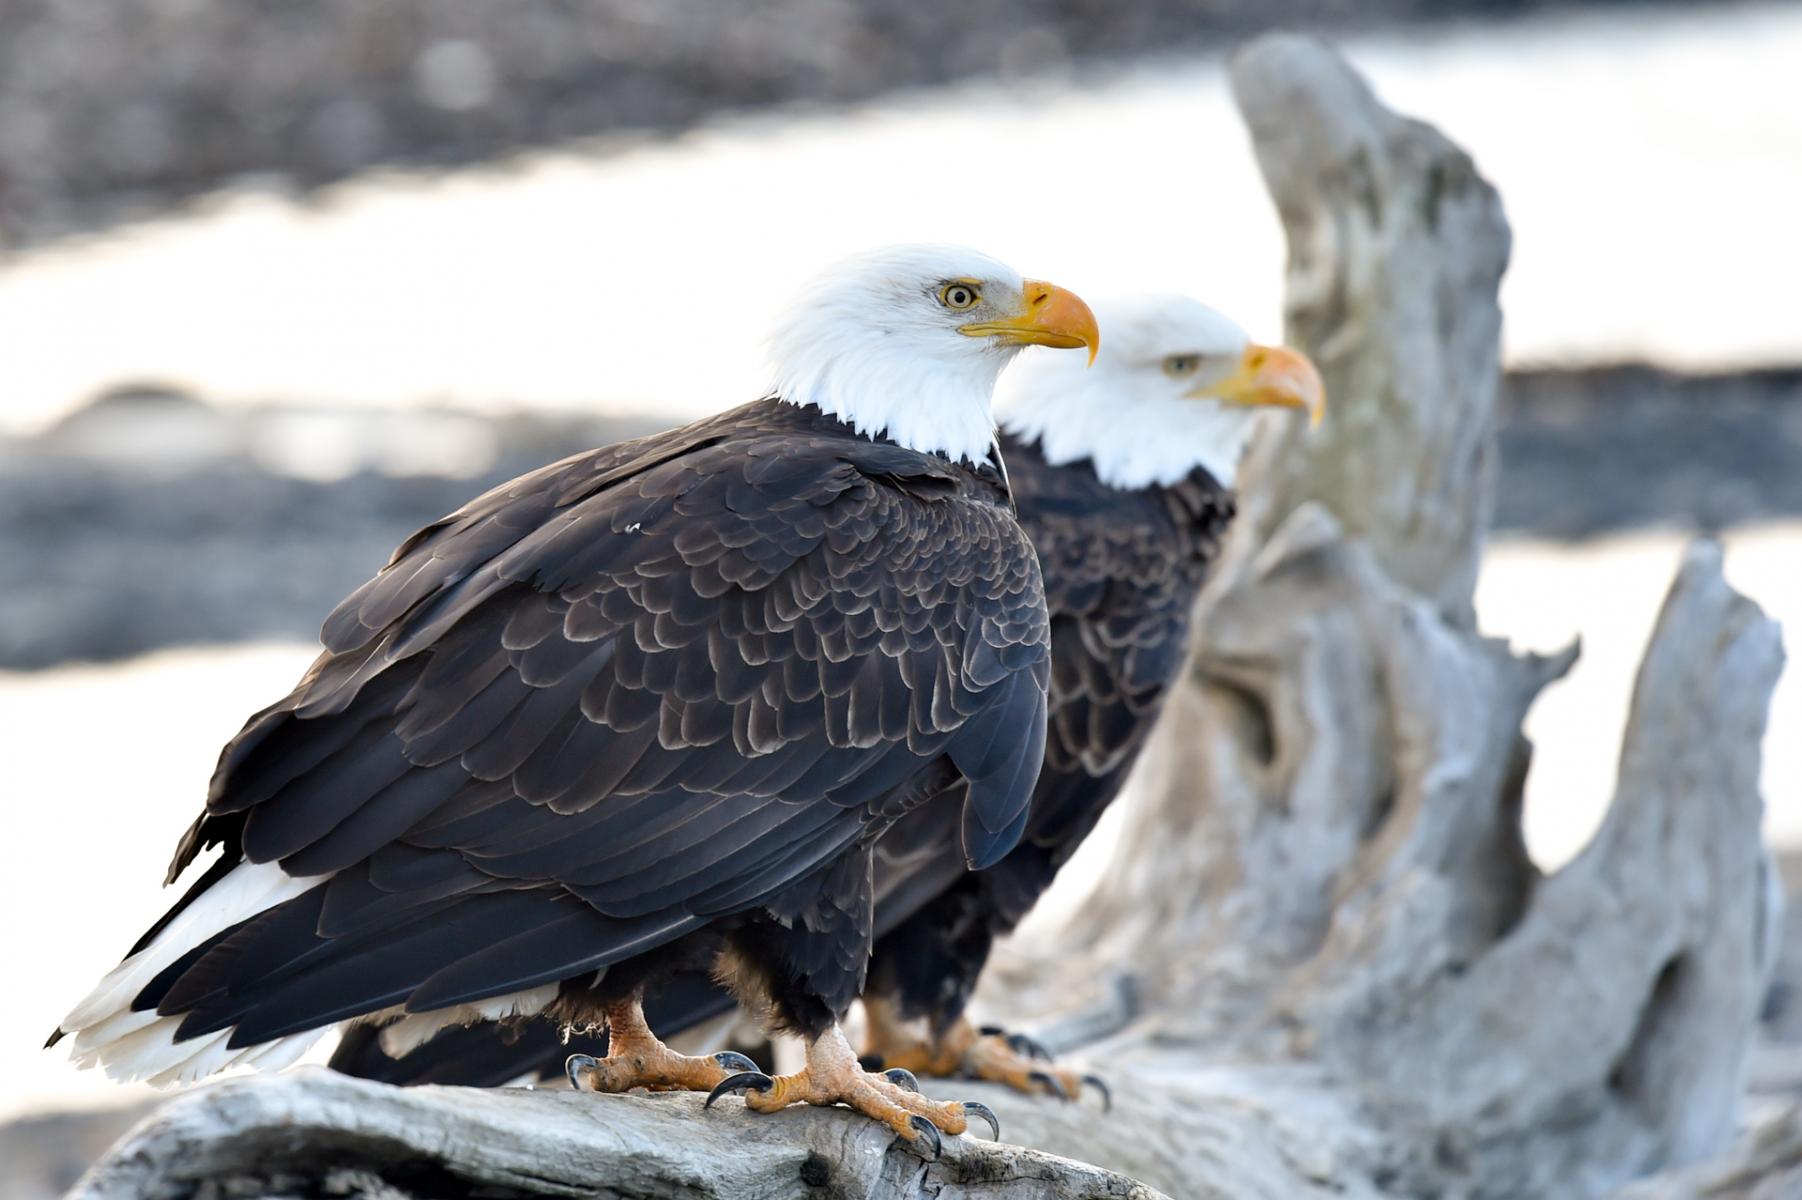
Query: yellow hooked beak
x,y
1271,375
1053,317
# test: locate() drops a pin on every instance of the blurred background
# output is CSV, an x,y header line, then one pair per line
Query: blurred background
x,y
280,283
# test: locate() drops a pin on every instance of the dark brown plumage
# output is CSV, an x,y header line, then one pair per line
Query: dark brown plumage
x,y
1122,568
641,705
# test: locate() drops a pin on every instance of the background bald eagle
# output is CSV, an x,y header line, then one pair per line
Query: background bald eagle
x,y
644,709
1122,475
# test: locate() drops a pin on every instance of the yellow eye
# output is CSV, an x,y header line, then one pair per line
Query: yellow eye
x,y
959,296
1181,366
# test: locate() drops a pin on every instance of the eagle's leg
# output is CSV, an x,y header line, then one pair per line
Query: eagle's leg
x,y
890,1041
964,1050
833,1076
635,1058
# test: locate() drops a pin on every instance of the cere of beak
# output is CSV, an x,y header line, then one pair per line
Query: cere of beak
x,y
1052,316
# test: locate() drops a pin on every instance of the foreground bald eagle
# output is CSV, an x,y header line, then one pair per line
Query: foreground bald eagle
x,y
1122,475
645,709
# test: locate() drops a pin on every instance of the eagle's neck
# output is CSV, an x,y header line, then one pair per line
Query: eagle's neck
x,y
891,389
1150,441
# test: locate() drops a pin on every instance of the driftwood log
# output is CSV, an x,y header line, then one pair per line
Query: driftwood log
x,y
1321,962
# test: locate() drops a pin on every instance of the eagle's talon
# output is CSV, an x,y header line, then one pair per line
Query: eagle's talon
x,y
975,1109
870,1062
925,1132
576,1065
637,1059
831,1076
990,1053
743,1081
1100,1085
751,1081
1019,1043
1028,1045
732,1060
902,1078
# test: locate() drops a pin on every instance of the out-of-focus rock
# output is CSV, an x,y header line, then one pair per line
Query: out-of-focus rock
x,y
44,1155
1586,450
111,107
145,424
151,519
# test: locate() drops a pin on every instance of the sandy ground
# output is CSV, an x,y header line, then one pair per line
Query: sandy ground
x,y
89,831
1647,158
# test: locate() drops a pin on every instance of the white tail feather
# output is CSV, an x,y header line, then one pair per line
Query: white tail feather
x,y
142,1045
413,1030
282,1052
111,1029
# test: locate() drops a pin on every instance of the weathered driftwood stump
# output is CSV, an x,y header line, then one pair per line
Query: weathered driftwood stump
x,y
1321,963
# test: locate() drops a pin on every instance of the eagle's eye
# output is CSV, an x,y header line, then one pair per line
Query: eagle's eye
x,y
1181,366
958,296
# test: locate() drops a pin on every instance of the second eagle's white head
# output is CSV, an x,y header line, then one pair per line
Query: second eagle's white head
x,y
907,343
1179,386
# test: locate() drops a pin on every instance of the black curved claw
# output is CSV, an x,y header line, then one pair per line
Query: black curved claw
x,y
870,1062
974,1109
732,1060
928,1135
1100,1085
744,1081
991,1030
901,1077
1031,1047
575,1064
1050,1083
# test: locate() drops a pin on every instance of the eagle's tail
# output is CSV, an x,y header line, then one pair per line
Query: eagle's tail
x,y
140,1044
258,967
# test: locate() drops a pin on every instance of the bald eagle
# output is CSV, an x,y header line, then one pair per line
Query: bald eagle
x,y
646,709
1122,475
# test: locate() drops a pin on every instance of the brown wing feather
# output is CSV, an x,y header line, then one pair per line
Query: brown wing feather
x,y
618,698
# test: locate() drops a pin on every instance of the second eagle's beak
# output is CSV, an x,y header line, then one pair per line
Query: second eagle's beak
x,y
1053,317
1271,375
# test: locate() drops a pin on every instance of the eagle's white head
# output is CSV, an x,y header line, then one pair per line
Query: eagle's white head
x,y
907,343
1179,386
